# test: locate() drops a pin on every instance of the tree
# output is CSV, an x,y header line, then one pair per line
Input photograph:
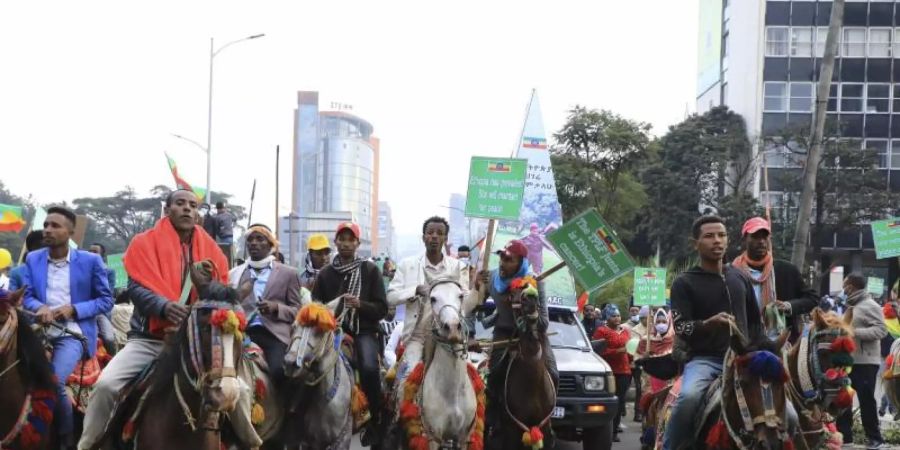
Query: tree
x,y
705,164
595,162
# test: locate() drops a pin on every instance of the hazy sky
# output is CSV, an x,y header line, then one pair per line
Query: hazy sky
x,y
90,91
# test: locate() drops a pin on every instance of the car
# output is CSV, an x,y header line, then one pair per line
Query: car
x,y
586,402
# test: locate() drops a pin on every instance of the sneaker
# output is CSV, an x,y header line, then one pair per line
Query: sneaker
x,y
878,446
620,429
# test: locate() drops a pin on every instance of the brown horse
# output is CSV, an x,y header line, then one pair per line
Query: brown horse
x,y
747,404
527,372
194,383
818,387
26,377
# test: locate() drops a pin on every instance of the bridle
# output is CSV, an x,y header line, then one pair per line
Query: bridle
x,y
458,350
222,355
769,417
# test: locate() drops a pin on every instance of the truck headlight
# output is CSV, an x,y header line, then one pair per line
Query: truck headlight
x,y
594,383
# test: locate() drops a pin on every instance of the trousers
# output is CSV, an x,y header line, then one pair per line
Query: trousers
x,y
862,378
273,350
67,351
367,348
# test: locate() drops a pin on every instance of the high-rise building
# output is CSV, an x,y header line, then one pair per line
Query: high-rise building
x,y
386,242
335,170
762,59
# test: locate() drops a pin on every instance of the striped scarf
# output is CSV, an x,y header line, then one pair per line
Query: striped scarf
x,y
354,268
767,291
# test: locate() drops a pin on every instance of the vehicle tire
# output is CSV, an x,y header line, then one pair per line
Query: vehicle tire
x,y
598,438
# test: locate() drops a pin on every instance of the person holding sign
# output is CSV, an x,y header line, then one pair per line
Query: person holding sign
x,y
776,284
617,336
706,301
513,264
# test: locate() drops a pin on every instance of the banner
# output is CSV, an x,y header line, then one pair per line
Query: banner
x,y
114,262
649,286
886,234
496,186
875,286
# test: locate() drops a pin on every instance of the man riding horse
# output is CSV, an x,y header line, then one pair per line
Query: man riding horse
x,y
513,264
706,302
158,262
359,284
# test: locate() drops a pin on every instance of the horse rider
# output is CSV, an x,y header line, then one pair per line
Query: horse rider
x,y
774,281
68,286
318,254
272,304
158,262
513,264
358,282
409,290
706,301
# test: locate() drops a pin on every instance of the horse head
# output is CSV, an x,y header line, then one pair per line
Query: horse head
x,y
446,298
824,358
210,346
524,298
312,341
9,300
754,396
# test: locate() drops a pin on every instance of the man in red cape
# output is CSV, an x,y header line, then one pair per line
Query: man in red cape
x,y
158,262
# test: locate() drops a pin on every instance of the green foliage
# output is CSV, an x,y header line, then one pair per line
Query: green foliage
x,y
704,165
595,163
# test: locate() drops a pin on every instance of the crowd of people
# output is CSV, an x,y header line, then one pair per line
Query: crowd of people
x,y
74,289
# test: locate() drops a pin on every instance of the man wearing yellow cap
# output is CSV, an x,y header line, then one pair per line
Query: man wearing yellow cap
x,y
318,255
273,301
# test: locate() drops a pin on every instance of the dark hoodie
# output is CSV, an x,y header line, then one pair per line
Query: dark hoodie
x,y
698,295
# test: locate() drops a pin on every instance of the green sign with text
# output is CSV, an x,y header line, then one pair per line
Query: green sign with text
x,y
886,234
591,249
496,187
115,263
875,286
649,286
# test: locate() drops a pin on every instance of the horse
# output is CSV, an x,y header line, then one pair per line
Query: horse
x,y
314,358
745,408
818,366
527,417
29,389
194,381
439,400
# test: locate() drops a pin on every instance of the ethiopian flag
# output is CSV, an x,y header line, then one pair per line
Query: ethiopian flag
x,y
11,218
181,183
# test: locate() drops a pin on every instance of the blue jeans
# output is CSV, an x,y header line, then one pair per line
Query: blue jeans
x,y
699,373
67,351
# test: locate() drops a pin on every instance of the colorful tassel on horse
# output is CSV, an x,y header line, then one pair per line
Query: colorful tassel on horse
x,y
841,359
843,344
417,374
718,436
844,399
359,402
475,378
418,443
230,322
788,444
257,414
408,410
260,389
128,431
318,315
533,438
767,366
476,442
888,311
29,438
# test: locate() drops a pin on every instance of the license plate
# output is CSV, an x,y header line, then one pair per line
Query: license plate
x,y
558,412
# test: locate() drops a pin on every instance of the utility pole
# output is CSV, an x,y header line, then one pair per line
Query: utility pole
x,y
814,155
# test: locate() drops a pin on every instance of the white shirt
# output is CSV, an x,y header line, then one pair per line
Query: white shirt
x,y
59,291
390,350
413,272
4,281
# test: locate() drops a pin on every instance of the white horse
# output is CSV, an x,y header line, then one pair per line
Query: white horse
x,y
446,399
322,380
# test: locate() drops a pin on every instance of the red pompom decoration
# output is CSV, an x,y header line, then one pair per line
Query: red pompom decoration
x,y
536,434
260,389
418,443
844,399
408,410
417,375
832,374
476,442
718,436
888,311
843,344
788,444
889,361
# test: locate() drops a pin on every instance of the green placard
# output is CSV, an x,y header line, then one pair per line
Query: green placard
x,y
649,286
875,286
591,250
114,262
496,187
886,234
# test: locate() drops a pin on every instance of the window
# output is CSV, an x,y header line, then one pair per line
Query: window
x,y
897,41
878,98
851,97
895,154
853,44
881,147
802,95
775,97
821,37
801,41
897,98
880,42
777,39
833,97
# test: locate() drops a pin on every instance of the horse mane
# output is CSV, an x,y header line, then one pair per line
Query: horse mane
x,y
169,360
832,320
34,367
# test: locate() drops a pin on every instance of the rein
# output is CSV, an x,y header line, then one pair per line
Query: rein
x,y
7,333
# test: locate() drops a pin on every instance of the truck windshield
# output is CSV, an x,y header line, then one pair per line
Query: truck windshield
x,y
568,333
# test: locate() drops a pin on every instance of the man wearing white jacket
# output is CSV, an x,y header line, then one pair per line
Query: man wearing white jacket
x,y
409,290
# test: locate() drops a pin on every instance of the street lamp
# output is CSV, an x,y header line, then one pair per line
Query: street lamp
x,y
208,149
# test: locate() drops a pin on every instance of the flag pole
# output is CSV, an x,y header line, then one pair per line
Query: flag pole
x,y
252,198
277,222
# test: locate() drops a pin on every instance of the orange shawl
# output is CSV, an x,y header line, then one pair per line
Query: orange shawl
x,y
154,260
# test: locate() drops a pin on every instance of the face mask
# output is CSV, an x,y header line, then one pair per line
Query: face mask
x,y
842,295
635,319
662,328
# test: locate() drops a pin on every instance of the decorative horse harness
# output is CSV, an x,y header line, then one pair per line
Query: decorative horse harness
x,y
769,417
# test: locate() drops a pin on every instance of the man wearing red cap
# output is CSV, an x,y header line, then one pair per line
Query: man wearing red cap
x,y
359,283
513,264
775,282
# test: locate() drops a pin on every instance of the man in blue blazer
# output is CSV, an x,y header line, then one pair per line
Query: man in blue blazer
x,y
70,287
